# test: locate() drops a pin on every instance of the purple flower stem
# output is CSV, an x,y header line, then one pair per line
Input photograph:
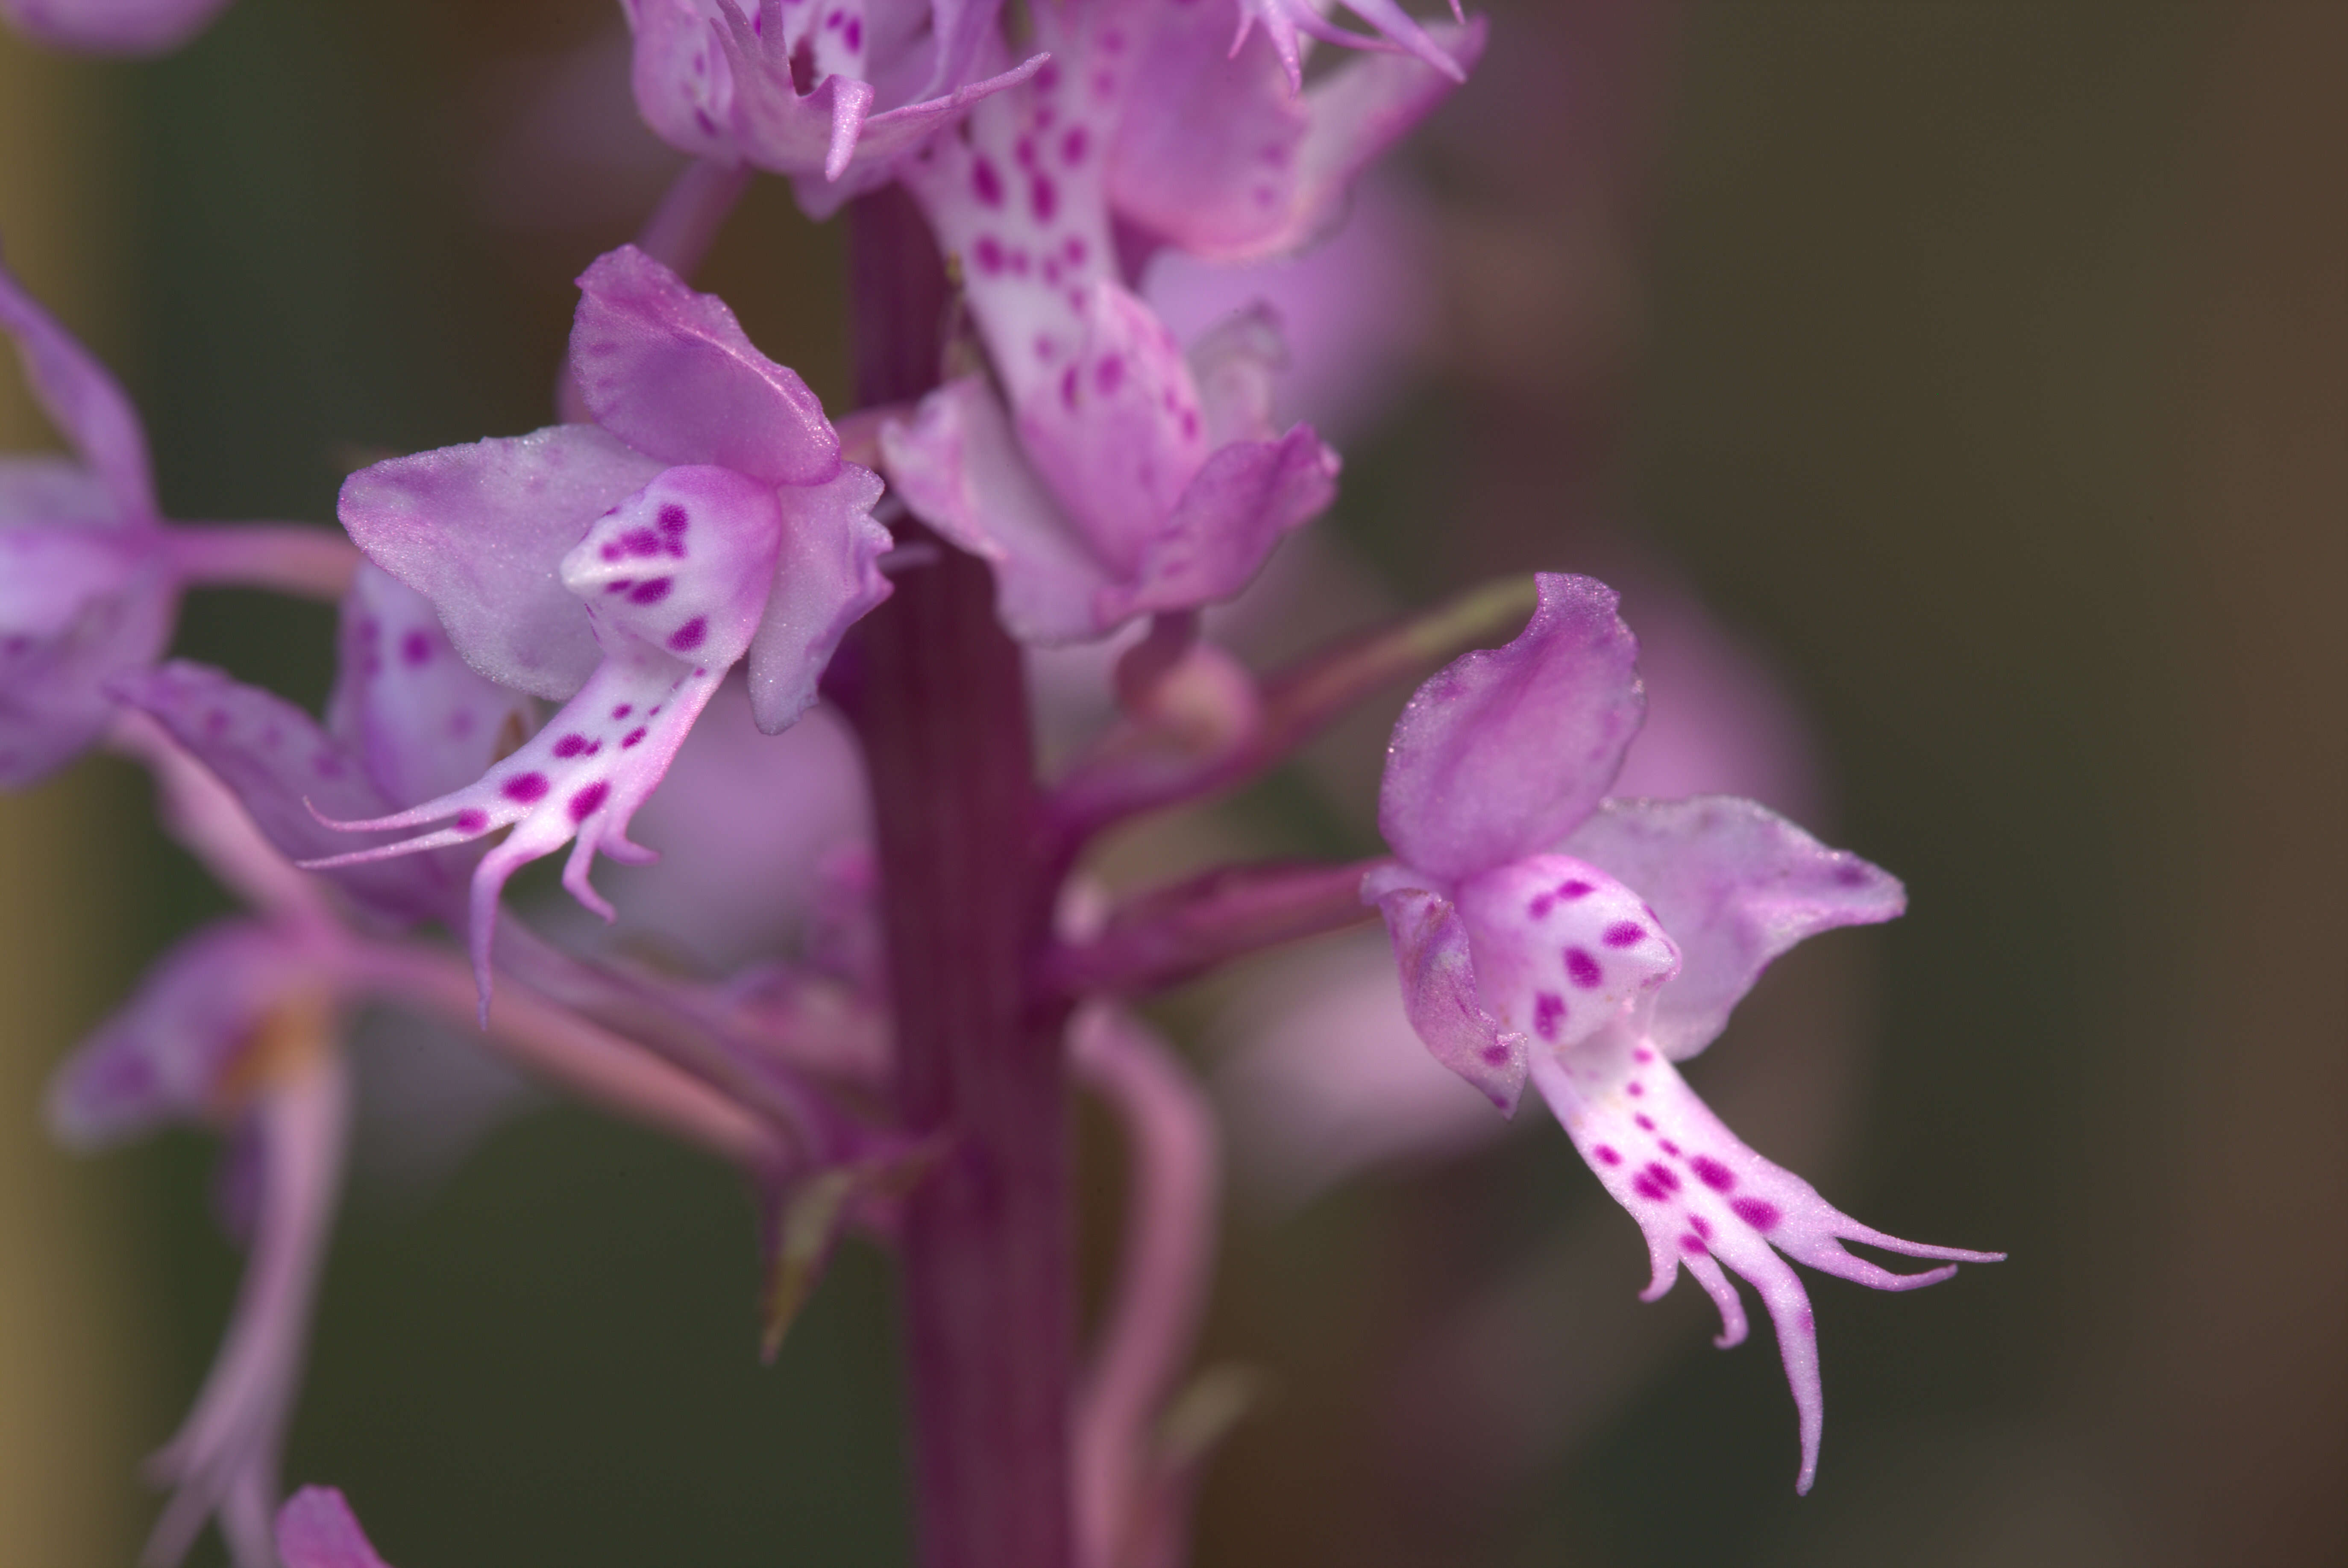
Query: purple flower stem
x,y
1172,934
290,557
1298,704
1162,1280
937,692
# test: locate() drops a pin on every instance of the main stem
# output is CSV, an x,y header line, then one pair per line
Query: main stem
x,y
939,696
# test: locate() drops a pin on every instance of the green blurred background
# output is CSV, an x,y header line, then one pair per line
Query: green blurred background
x,y
1983,363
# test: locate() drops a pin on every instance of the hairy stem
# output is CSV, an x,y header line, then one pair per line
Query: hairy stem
x,y
938,694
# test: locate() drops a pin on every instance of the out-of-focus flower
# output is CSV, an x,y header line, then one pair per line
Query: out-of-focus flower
x,y
829,91
113,26
235,1026
625,566
1102,472
1543,932
316,1529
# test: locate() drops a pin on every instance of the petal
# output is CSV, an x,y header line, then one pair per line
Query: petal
x,y
52,490
675,581
1115,430
1284,20
1438,993
670,372
112,27
1705,1198
165,1054
417,718
1247,497
280,765
79,606
1501,754
316,1529
1562,949
960,470
87,404
480,531
683,79
1736,884
827,578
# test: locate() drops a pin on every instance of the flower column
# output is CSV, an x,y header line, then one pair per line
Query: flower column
x,y
937,691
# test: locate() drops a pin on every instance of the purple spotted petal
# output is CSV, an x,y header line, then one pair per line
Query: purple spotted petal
x,y
417,718
827,578
281,765
112,27
481,532
673,582
1220,158
1704,1199
1438,991
1735,885
961,469
670,372
1501,754
79,606
1562,949
316,1529
86,403
164,1055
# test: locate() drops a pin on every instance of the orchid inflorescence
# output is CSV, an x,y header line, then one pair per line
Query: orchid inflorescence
x,y
539,632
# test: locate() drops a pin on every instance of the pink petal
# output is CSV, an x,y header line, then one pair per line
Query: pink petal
x,y
79,606
1501,754
1562,949
1702,1196
112,27
827,578
1439,994
1244,500
85,402
162,1056
316,1529
1736,884
670,372
416,717
283,768
480,530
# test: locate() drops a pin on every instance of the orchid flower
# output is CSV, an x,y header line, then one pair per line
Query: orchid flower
x,y
112,27
622,567
89,573
235,1024
835,88
1103,473
1544,932
316,1529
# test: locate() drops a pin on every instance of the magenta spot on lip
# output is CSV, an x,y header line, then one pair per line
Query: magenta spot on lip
x,y
1760,1215
619,584
1668,1147
651,592
415,648
674,519
625,710
987,253
1109,374
583,804
571,746
472,821
853,34
641,542
1570,890
1043,197
1647,1187
1636,1088
1664,1174
1582,969
524,788
985,183
1643,1055
1700,1225
1072,146
1646,1123
1693,1246
690,636
1539,909
1607,1154
1851,876
630,738
1496,1055
1712,1173
1625,934
1548,1011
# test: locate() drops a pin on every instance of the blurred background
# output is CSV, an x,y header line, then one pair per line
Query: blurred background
x,y
1959,393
